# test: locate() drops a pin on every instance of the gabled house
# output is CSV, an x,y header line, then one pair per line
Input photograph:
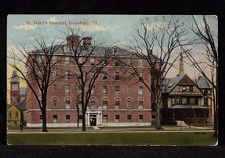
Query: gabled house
x,y
16,114
186,100
16,110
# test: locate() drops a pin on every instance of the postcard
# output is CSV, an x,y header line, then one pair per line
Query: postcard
x,y
112,79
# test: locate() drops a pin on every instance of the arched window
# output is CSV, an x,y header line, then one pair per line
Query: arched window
x,y
105,103
92,103
54,102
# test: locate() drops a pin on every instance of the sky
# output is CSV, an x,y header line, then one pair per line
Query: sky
x,y
115,29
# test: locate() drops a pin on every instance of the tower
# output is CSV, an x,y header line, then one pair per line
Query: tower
x,y
181,65
14,89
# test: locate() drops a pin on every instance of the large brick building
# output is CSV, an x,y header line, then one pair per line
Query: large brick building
x,y
118,97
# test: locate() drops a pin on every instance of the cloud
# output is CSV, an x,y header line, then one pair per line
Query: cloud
x,y
155,25
92,27
25,27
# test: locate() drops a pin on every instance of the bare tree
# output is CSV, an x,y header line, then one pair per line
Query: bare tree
x,y
208,39
165,41
89,58
36,66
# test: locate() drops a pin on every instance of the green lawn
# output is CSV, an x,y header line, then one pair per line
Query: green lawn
x,y
110,138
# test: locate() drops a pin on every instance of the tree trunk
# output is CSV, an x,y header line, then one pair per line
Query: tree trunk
x,y
83,121
215,123
44,120
158,103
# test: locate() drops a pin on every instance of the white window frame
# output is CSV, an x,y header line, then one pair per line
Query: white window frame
x,y
140,90
140,63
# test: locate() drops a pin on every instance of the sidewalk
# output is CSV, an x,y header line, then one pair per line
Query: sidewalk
x,y
115,129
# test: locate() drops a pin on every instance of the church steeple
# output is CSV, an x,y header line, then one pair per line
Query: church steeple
x,y
181,65
15,89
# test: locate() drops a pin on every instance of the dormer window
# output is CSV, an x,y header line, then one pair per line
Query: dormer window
x,y
92,61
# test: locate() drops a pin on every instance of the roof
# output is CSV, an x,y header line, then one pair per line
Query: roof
x,y
22,105
188,107
170,83
98,51
14,77
22,91
202,82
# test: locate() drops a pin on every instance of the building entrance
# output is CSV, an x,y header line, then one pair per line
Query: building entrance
x,y
92,120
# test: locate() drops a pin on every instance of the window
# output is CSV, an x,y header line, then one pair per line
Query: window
x,y
129,118
14,99
186,88
79,75
129,89
67,102
105,119
92,104
117,118
67,60
117,104
128,62
41,119
54,87
92,61
65,49
141,118
206,102
67,75
54,102
117,61
105,104
105,90
54,59
192,101
40,99
15,87
104,77
92,75
67,118
67,88
55,118
80,60
117,77
93,90
79,88
10,115
140,63
177,100
140,76
129,76
140,90
141,104
184,100
54,74
173,101
117,89
129,103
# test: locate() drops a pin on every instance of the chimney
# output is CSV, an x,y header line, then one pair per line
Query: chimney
x,y
86,41
72,40
149,52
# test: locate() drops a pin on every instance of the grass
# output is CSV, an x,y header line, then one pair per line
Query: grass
x,y
110,138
